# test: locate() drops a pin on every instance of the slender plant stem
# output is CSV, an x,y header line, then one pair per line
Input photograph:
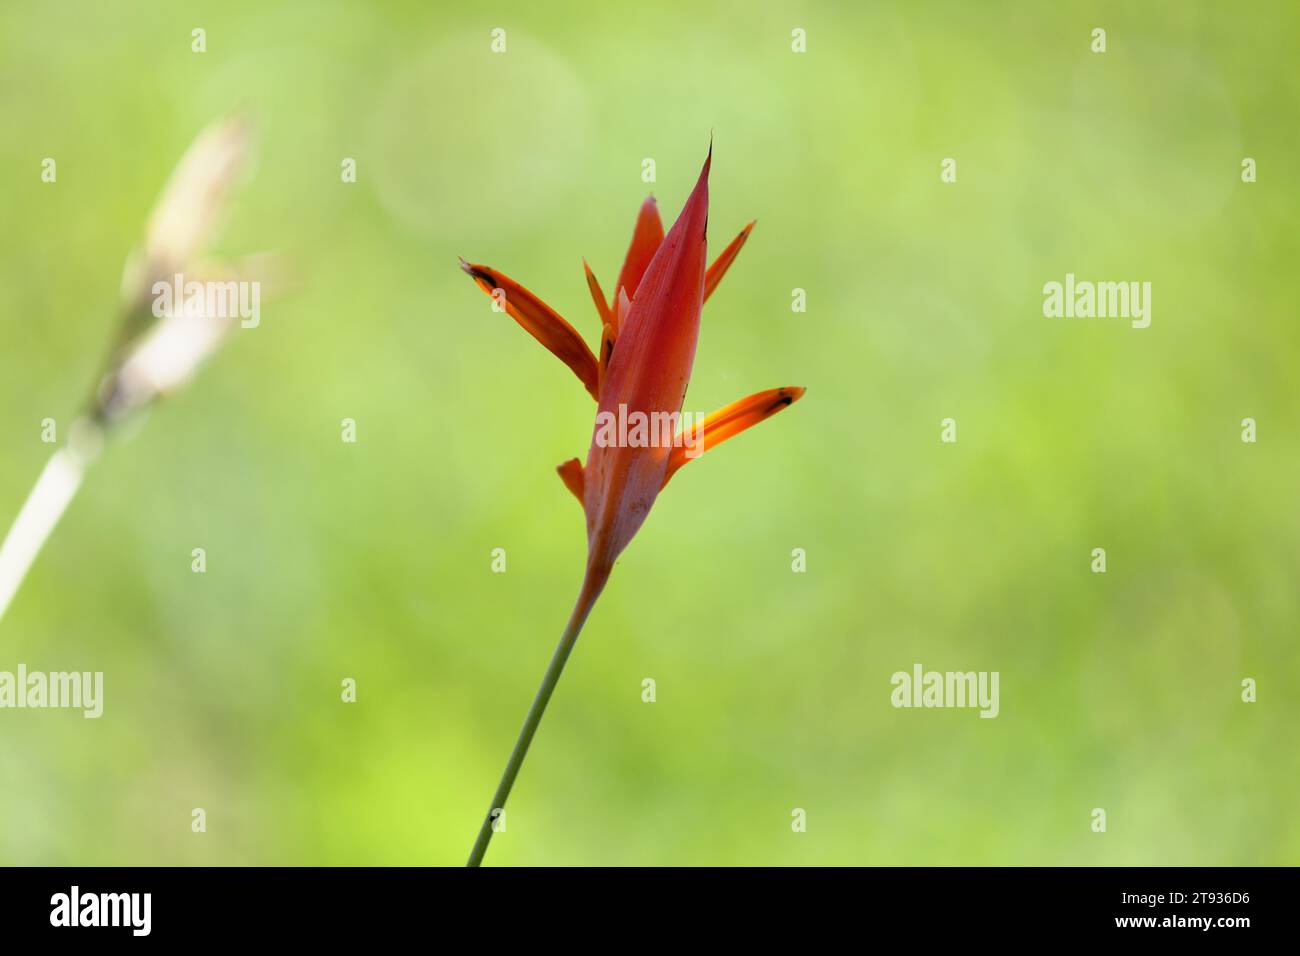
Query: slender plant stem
x,y
45,505
591,588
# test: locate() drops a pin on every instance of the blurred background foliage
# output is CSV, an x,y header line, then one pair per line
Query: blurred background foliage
x,y
328,560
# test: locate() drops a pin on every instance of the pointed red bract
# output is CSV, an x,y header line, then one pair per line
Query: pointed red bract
x,y
729,421
540,321
646,238
597,295
647,374
724,261
570,473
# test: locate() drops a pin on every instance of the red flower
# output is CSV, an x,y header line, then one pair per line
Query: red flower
x,y
639,373
647,349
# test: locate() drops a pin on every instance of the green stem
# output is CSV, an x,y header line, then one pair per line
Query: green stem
x,y
591,588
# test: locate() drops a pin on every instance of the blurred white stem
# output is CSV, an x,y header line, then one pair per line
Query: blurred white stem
x,y
50,497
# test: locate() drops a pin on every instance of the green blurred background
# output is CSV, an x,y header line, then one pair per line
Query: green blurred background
x,y
372,561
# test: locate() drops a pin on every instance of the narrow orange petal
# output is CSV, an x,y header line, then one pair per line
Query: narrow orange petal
x,y
723,262
571,474
646,237
541,322
597,296
728,421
